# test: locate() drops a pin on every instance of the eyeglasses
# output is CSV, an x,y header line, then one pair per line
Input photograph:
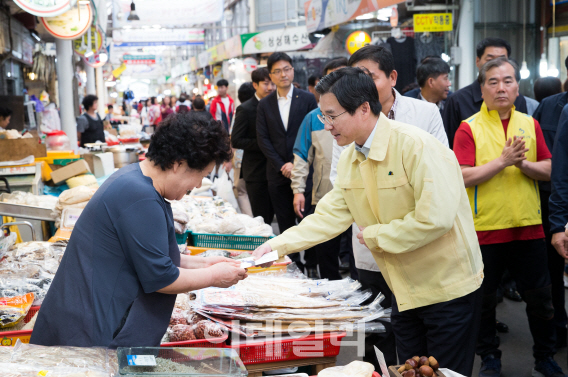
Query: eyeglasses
x,y
329,118
278,72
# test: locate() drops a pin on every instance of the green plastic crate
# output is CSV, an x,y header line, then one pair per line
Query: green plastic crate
x,y
182,238
227,241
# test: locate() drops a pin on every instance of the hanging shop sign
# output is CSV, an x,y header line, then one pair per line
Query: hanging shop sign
x,y
250,64
46,8
321,14
171,13
92,41
289,39
71,24
158,37
139,59
356,40
433,22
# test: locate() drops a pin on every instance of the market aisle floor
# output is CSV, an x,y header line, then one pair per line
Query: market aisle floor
x,y
516,345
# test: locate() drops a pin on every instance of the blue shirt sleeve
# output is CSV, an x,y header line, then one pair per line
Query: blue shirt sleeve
x,y
143,235
558,202
304,139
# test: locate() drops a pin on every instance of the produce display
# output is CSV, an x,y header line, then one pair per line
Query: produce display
x,y
215,216
163,366
186,324
29,267
291,299
419,367
25,360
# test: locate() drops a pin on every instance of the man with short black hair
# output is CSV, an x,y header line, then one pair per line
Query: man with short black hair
x,y
243,136
432,76
223,107
278,120
312,82
467,101
405,189
502,154
90,127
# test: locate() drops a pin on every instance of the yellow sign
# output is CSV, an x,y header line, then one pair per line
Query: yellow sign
x,y
433,22
356,40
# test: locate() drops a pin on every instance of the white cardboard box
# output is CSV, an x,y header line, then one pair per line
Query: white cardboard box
x,y
103,164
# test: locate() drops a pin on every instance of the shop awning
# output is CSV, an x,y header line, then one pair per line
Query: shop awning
x,y
321,14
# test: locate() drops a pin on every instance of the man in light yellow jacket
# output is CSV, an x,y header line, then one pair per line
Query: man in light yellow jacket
x,y
405,189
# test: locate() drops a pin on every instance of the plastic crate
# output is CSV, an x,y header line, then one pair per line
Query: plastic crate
x,y
319,345
200,343
33,310
227,241
182,238
9,338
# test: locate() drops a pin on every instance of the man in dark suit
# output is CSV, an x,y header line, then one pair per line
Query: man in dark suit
x,y
432,76
278,120
243,137
467,101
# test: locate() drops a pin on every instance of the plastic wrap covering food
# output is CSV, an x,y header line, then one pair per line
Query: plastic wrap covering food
x,y
182,302
353,369
23,370
14,309
92,359
76,195
178,317
29,199
180,333
19,287
193,318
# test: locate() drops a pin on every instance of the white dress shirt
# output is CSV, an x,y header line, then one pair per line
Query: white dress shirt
x,y
284,106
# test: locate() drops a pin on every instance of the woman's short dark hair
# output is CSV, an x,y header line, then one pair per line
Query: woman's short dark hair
x,y
352,87
182,137
377,54
546,87
88,101
246,91
260,74
492,42
431,68
334,64
276,57
5,112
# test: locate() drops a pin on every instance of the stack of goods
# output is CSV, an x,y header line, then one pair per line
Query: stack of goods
x,y
186,324
28,268
29,199
14,134
215,216
70,205
267,304
25,360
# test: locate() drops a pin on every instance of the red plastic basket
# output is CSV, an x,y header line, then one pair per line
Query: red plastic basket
x,y
319,345
9,338
33,310
200,343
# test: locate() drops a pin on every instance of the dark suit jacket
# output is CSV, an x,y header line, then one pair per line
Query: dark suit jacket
x,y
274,141
243,137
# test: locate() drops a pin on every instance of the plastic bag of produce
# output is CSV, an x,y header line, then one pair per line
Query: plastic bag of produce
x,y
353,369
14,309
224,188
76,195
